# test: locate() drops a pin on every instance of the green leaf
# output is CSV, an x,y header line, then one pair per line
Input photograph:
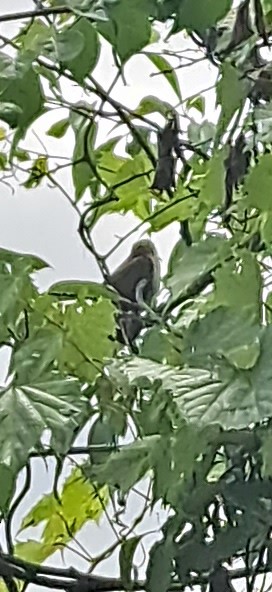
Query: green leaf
x,y
34,551
38,171
212,190
266,438
191,264
152,104
231,93
197,103
202,133
240,289
10,113
160,346
82,290
32,408
167,70
8,484
181,207
33,37
59,129
224,395
3,161
258,186
101,433
80,501
86,58
129,465
21,86
16,288
160,567
127,550
21,155
35,356
131,184
107,162
84,161
128,29
87,343
195,15
219,333
70,43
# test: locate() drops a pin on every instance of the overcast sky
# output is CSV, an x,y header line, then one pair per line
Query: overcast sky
x,y
41,221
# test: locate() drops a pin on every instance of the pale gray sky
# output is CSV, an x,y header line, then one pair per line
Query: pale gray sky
x,y
41,221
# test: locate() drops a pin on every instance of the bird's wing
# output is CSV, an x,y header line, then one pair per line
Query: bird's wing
x,y
127,276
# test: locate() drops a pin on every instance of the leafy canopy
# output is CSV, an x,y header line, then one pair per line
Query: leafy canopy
x,y
197,392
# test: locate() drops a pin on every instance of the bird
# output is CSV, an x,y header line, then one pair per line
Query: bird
x,y
136,279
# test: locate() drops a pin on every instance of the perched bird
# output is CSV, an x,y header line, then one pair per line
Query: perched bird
x,y
136,279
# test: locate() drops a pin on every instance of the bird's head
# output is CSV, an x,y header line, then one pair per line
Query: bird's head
x,y
144,247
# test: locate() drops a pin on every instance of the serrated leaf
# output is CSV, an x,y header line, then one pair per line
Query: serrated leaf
x,y
194,262
224,395
33,408
35,356
16,288
129,465
80,501
180,208
131,183
219,333
87,344
134,182
34,551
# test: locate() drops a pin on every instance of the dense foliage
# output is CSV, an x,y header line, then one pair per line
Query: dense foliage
x,y
197,390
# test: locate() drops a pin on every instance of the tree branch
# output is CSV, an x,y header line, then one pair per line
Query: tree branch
x,y
72,580
30,14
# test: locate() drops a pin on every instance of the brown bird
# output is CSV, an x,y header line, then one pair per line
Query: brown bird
x,y
137,277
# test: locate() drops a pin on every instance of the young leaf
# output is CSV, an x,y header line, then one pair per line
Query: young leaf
x,y
59,129
167,70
